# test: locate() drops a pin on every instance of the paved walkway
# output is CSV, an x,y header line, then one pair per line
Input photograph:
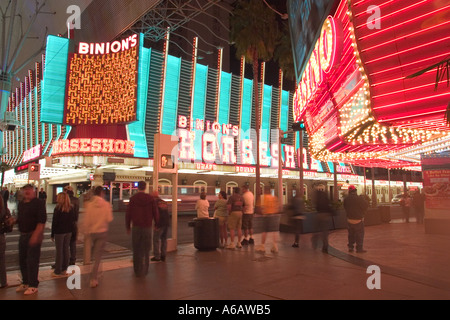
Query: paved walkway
x,y
414,265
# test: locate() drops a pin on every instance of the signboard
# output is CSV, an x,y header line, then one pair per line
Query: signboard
x,y
93,147
102,83
305,23
32,153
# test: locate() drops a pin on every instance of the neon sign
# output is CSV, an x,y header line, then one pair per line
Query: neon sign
x,y
323,59
93,146
32,153
102,88
107,47
219,146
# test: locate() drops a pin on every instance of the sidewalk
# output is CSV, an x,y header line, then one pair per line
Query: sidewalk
x,y
414,265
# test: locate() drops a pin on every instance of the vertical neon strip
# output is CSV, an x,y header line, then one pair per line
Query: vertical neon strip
x,y
193,77
136,130
219,82
170,102
164,71
198,106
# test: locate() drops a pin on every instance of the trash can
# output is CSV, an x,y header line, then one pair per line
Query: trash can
x,y
206,233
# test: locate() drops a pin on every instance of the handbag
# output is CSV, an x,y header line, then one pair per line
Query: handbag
x,y
5,224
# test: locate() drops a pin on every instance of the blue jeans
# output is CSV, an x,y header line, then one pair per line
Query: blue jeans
x,y
141,239
160,242
356,235
29,257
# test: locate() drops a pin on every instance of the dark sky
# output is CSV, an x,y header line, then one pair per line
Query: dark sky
x,y
272,69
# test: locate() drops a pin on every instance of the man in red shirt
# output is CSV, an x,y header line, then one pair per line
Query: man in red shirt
x,y
141,212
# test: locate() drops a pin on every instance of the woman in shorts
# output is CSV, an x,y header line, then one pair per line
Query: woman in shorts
x,y
221,212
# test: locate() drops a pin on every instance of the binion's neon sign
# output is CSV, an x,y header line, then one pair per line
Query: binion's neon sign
x,y
324,58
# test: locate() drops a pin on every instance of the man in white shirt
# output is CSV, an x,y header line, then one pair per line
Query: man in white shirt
x,y
247,217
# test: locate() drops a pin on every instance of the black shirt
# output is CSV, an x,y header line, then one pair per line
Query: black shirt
x,y
30,214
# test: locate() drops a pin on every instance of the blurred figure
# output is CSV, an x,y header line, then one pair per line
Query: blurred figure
x,y
355,207
297,209
31,218
73,239
271,221
5,196
248,211
405,203
324,215
235,206
418,202
142,210
63,223
43,195
161,228
202,206
221,213
96,219
5,226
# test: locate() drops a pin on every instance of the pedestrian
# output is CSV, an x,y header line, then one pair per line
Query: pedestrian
x,y
62,228
5,196
405,203
221,213
271,221
418,202
248,211
73,239
96,219
43,195
324,213
202,206
161,229
355,207
6,222
142,210
31,219
297,210
235,204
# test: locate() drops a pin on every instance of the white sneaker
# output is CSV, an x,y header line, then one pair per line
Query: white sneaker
x,y
260,248
22,288
231,246
30,291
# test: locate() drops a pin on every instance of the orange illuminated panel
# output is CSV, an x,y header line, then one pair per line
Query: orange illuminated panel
x,y
102,88
93,146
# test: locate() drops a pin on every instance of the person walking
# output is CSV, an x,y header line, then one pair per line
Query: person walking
x,y
248,211
322,222
63,222
271,222
297,211
75,202
355,207
161,229
31,219
5,196
235,204
141,212
418,203
96,219
405,203
221,213
6,222
202,206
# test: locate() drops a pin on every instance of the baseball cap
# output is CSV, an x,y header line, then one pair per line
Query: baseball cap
x,y
351,188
